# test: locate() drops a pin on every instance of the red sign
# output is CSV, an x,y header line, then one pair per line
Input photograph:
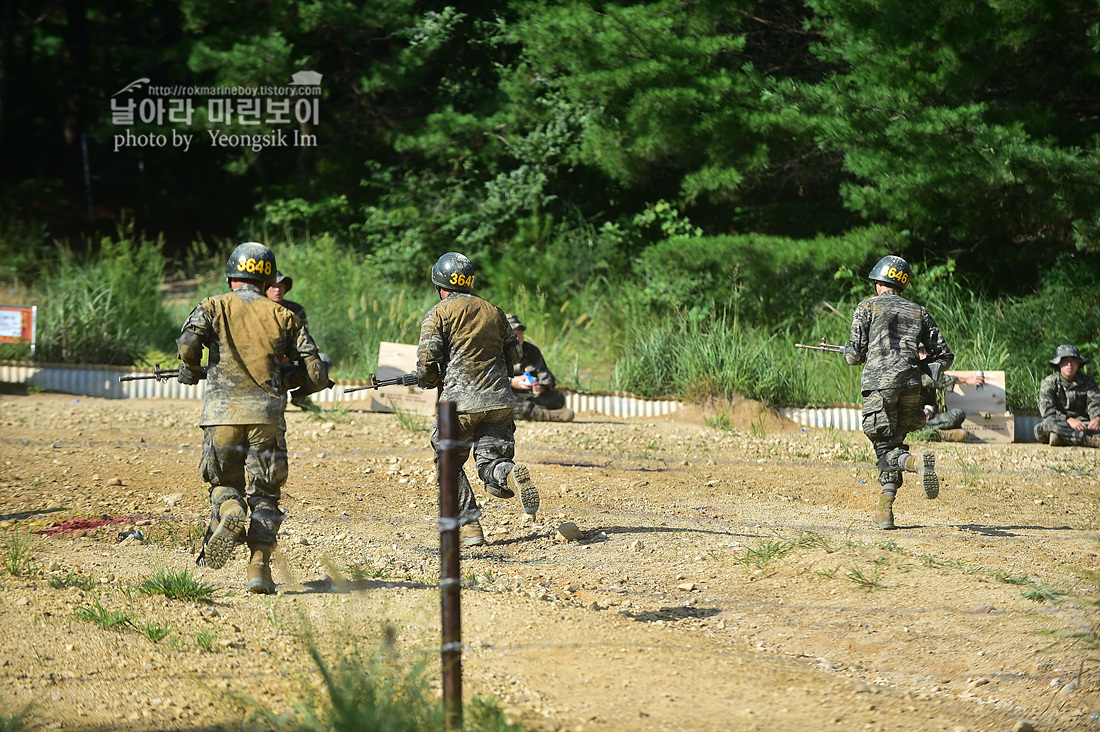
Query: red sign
x,y
17,324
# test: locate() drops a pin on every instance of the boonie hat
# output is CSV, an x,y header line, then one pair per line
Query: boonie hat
x,y
1065,351
280,277
514,322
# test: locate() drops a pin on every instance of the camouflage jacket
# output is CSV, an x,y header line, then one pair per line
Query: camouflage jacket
x,y
886,331
1060,399
930,389
297,309
532,357
467,347
248,336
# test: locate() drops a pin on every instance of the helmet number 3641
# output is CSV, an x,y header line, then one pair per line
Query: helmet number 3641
x,y
461,280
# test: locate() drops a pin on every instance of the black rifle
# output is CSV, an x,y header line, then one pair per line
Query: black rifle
x,y
823,347
376,383
162,375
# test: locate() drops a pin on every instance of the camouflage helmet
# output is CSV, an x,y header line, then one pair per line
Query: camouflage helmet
x,y
1067,351
892,271
251,261
454,272
280,277
514,322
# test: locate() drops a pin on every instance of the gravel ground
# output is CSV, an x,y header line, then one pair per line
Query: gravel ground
x,y
722,579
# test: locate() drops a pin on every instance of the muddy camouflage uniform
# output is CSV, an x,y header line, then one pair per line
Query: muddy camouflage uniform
x,y
1060,399
526,400
243,452
466,350
886,332
930,390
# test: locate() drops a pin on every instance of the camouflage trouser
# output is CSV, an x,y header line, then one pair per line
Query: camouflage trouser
x,y
246,463
888,416
952,419
491,437
526,401
1061,427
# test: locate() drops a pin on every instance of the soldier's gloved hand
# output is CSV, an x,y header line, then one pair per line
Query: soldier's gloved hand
x,y
188,376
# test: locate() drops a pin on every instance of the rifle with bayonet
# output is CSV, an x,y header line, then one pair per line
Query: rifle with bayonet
x,y
827,347
376,383
159,374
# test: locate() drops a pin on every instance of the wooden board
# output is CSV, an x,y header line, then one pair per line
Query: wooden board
x,y
395,359
987,416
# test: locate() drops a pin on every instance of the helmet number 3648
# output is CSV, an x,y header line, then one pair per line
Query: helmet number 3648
x,y
253,265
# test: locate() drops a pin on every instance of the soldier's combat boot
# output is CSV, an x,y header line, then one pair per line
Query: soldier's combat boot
x,y
884,517
470,535
1055,440
925,466
519,480
223,539
259,570
927,470
950,435
1092,441
538,414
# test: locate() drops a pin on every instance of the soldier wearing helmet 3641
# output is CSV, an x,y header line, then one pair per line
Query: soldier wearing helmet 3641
x,y
886,332
467,349
243,454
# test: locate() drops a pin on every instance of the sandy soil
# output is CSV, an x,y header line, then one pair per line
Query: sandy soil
x,y
724,579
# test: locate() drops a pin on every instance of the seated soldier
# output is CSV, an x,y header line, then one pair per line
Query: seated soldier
x,y
533,384
1069,403
946,424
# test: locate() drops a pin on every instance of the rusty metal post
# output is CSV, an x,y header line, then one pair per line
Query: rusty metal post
x,y
450,577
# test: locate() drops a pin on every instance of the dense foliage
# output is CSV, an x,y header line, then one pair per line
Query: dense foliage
x,y
612,168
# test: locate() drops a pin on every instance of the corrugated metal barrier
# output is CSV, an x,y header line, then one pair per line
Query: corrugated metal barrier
x,y
102,381
850,419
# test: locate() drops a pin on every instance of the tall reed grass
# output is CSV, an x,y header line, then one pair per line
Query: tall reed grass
x,y
104,308
598,333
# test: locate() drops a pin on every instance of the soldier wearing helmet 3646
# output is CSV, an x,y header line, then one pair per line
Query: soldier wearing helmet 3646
x,y
467,349
243,453
886,333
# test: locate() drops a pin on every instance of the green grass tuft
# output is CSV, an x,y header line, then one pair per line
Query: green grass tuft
x,y
72,580
177,585
106,619
17,556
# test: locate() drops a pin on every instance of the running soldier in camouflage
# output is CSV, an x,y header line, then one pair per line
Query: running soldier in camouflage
x,y
466,351
886,330
1069,402
243,458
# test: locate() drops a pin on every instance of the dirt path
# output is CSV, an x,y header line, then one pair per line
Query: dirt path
x,y
725,580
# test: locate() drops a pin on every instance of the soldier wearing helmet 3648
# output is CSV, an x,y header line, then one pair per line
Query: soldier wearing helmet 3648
x,y
886,332
467,349
243,453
